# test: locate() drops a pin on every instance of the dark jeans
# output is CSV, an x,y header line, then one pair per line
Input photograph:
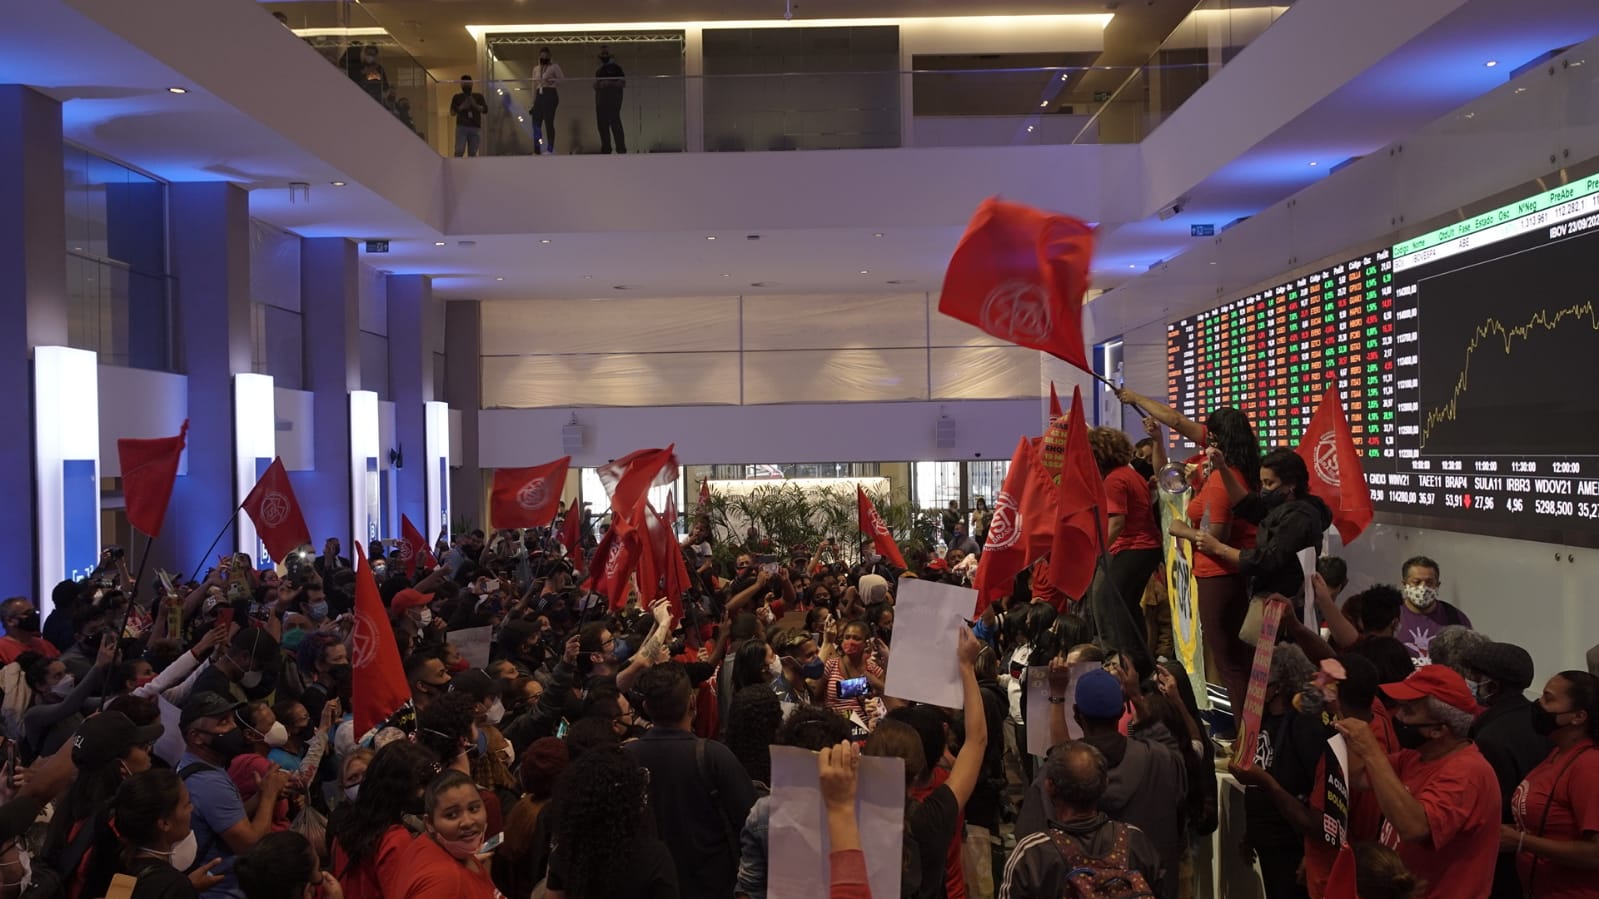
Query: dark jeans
x,y
608,114
1223,605
543,112
1130,571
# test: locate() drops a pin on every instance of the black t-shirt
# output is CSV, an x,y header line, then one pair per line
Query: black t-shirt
x,y
647,872
930,826
468,110
162,881
1289,747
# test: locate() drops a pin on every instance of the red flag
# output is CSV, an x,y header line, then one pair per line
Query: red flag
x,y
635,474
661,571
149,469
527,497
1019,274
612,563
1336,475
1054,403
377,674
1080,510
705,496
414,548
872,523
572,535
276,513
1005,553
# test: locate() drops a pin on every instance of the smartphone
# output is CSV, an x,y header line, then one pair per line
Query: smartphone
x,y
492,843
225,615
492,585
852,688
770,568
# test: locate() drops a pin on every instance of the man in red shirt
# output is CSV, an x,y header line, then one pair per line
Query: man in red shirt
x,y
1439,797
21,621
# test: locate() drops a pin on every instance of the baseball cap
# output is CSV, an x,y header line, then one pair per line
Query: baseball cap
x,y
937,565
205,704
408,598
1505,663
1438,681
1099,695
108,736
477,683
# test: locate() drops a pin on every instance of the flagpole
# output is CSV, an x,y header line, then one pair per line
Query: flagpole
x,y
1106,381
220,535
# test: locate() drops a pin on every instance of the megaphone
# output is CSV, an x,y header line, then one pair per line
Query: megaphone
x,y
1173,478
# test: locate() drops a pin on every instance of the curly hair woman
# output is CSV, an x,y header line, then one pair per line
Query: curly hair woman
x,y
1132,536
371,834
756,714
602,796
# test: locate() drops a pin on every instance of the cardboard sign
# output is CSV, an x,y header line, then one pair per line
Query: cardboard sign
x,y
798,824
1255,701
473,644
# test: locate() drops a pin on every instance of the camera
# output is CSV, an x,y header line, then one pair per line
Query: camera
x,y
115,553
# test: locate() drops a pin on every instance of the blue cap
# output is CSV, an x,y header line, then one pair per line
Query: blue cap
x,y
1099,696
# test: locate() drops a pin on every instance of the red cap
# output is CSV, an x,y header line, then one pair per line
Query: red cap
x,y
408,598
937,565
1438,681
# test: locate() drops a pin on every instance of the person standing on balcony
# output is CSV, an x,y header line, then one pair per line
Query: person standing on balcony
x,y
468,109
546,76
608,84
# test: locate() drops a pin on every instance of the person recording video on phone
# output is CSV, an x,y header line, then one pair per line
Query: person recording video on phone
x,y
853,676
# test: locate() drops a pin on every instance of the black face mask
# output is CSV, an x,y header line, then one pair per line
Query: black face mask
x,y
1410,736
414,807
230,745
340,675
29,623
1544,722
466,88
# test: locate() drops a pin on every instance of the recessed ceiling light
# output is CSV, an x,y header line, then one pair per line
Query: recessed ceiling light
x,y
438,243
338,183
1491,63
1213,263
499,279
1313,162
588,277
1132,266
865,272
710,237
1043,104
726,275
877,234
1029,129
544,240
177,90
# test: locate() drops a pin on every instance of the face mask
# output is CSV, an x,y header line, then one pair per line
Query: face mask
x,y
276,736
352,791
425,617
317,610
230,745
544,60
63,687
183,854
460,850
605,57
292,638
1410,736
622,650
466,88
482,746
1421,596
496,711
1480,690
141,681
339,674
1544,722
250,680
29,622
1274,497
815,668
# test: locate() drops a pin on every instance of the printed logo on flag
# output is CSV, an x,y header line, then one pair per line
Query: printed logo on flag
x,y
407,551
612,559
274,509
1016,311
1006,526
1327,458
363,641
533,494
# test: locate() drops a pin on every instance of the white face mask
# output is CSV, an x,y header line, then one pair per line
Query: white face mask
x,y
425,616
1421,596
496,711
250,680
63,687
183,854
277,735
354,790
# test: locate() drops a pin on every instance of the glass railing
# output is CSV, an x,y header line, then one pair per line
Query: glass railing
x,y
817,111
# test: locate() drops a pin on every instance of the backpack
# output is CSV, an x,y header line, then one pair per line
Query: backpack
x,y
1109,877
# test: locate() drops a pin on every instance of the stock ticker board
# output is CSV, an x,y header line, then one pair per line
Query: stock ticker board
x,y
1465,358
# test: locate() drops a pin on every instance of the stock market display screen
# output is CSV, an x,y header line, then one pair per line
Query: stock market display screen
x,y
1464,357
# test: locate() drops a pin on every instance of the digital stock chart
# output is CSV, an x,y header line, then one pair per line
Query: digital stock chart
x,y
1464,357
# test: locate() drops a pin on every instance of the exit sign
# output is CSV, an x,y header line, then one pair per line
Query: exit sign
x,y
1201,230
377,246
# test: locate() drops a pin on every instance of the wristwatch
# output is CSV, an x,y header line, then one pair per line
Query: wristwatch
x,y
1057,700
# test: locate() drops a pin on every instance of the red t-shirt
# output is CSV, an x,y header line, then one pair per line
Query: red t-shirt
x,y
374,876
1461,797
1127,493
1212,501
428,872
11,648
1571,801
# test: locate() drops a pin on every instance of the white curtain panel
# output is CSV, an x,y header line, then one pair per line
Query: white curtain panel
x,y
536,327
984,373
835,376
615,379
834,322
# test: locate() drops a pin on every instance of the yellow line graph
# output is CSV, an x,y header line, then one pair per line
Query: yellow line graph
x,y
1495,328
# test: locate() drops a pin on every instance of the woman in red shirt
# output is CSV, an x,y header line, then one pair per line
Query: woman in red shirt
x,y
853,662
370,835
1223,591
446,862
1133,532
1556,837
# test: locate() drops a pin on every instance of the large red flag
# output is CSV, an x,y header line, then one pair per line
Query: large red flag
x,y
1336,475
1080,510
276,513
613,561
377,673
149,469
527,497
661,571
1005,554
1019,274
1054,403
635,474
572,535
414,548
872,523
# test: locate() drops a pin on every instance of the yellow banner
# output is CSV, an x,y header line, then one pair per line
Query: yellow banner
x,y
1182,591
